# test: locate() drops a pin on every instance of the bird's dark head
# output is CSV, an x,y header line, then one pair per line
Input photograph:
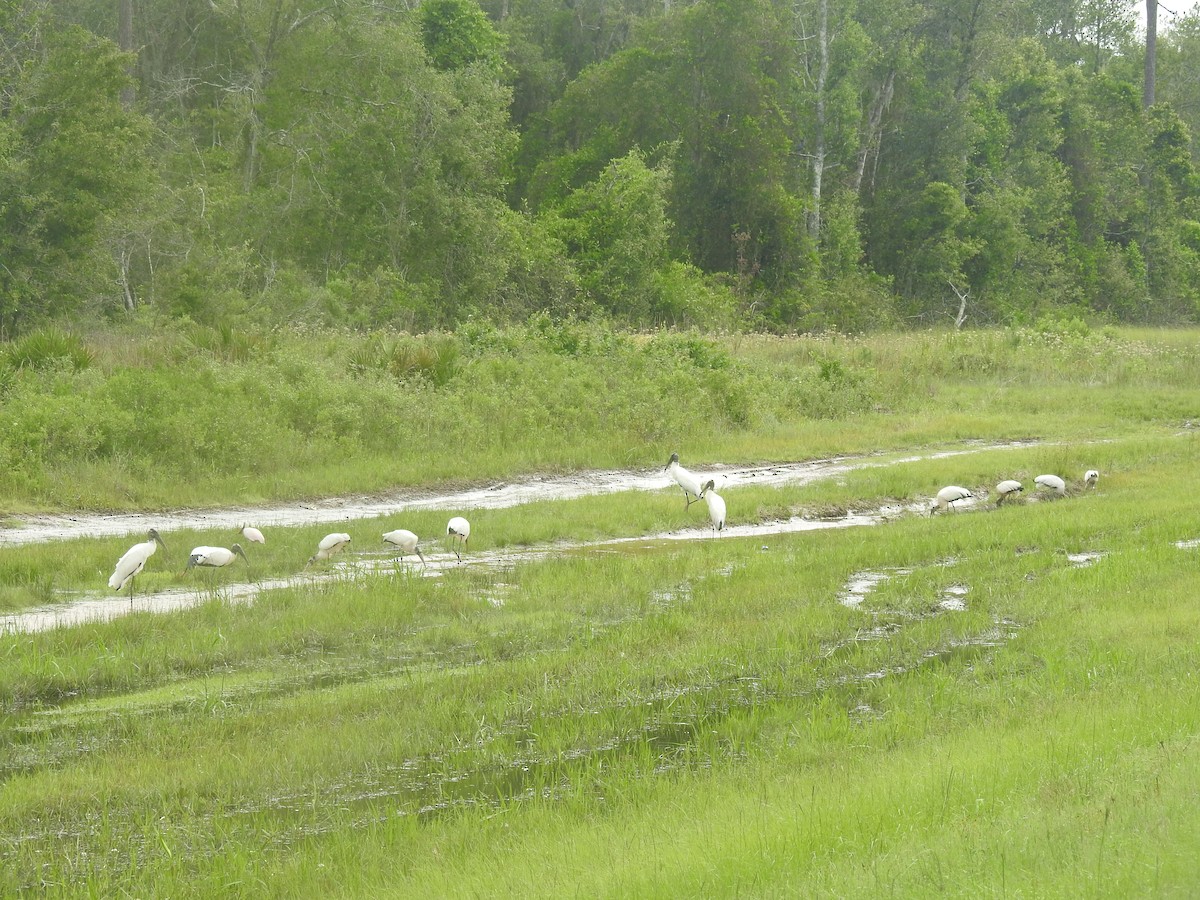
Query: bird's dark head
x,y
674,460
154,536
193,560
709,485
237,549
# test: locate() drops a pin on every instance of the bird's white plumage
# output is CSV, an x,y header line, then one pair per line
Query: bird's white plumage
x,y
1051,483
253,535
716,505
133,561
1090,477
215,557
458,529
1006,489
948,496
689,481
405,540
330,545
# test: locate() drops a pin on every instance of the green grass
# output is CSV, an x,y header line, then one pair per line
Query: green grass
x,y
658,718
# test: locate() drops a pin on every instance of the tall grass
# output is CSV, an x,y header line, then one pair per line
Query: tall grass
x,y
217,416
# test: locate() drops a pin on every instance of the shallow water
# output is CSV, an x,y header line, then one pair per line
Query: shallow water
x,y
96,607
93,607
35,529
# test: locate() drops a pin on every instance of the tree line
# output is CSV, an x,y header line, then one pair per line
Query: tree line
x,y
778,164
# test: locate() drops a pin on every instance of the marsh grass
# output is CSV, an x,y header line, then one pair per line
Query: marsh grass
x,y
662,718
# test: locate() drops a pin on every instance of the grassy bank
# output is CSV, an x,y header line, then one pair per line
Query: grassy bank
x,y
207,418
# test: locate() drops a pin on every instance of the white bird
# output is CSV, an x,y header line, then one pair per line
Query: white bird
x,y
329,545
134,560
253,535
1007,489
458,529
405,540
947,497
1090,477
215,557
1053,483
716,505
692,488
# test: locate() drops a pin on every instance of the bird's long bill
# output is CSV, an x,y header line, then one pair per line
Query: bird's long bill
x,y
161,543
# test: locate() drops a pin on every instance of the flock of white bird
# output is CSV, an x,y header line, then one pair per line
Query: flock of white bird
x,y
1009,489
458,529
130,565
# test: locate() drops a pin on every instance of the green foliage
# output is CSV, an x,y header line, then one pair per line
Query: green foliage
x,y
457,34
46,348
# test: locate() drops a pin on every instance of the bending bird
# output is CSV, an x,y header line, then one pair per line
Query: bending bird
x,y
458,529
405,540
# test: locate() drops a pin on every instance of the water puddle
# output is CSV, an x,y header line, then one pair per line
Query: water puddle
x,y
954,598
863,583
1085,559
1188,545
36,529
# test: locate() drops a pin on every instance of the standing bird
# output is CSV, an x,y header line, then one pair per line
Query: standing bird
x,y
947,497
459,529
406,541
1090,477
330,544
1052,483
685,479
134,560
215,557
253,535
1007,489
716,505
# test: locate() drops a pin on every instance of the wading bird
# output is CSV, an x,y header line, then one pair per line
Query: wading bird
x,y
330,544
134,560
253,535
947,497
685,479
1090,477
458,529
1006,490
1051,483
406,541
716,505
215,557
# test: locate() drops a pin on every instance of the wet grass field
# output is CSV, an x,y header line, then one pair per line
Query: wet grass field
x,y
605,699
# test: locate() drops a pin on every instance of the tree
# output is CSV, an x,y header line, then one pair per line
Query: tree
x,y
71,158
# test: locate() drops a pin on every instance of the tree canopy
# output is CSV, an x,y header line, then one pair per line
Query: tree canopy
x,y
778,164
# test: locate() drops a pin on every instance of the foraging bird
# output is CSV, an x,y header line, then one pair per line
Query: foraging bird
x,y
1053,483
132,563
692,488
1090,477
215,557
459,529
716,505
330,544
406,541
1007,489
947,497
253,535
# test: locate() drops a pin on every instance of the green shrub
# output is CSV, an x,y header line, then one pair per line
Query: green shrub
x,y
48,347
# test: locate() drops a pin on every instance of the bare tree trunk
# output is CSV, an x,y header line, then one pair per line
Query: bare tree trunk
x,y
125,42
871,140
1151,52
962,305
818,161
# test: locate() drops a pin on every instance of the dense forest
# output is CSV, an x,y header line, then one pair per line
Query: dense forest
x,y
768,164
